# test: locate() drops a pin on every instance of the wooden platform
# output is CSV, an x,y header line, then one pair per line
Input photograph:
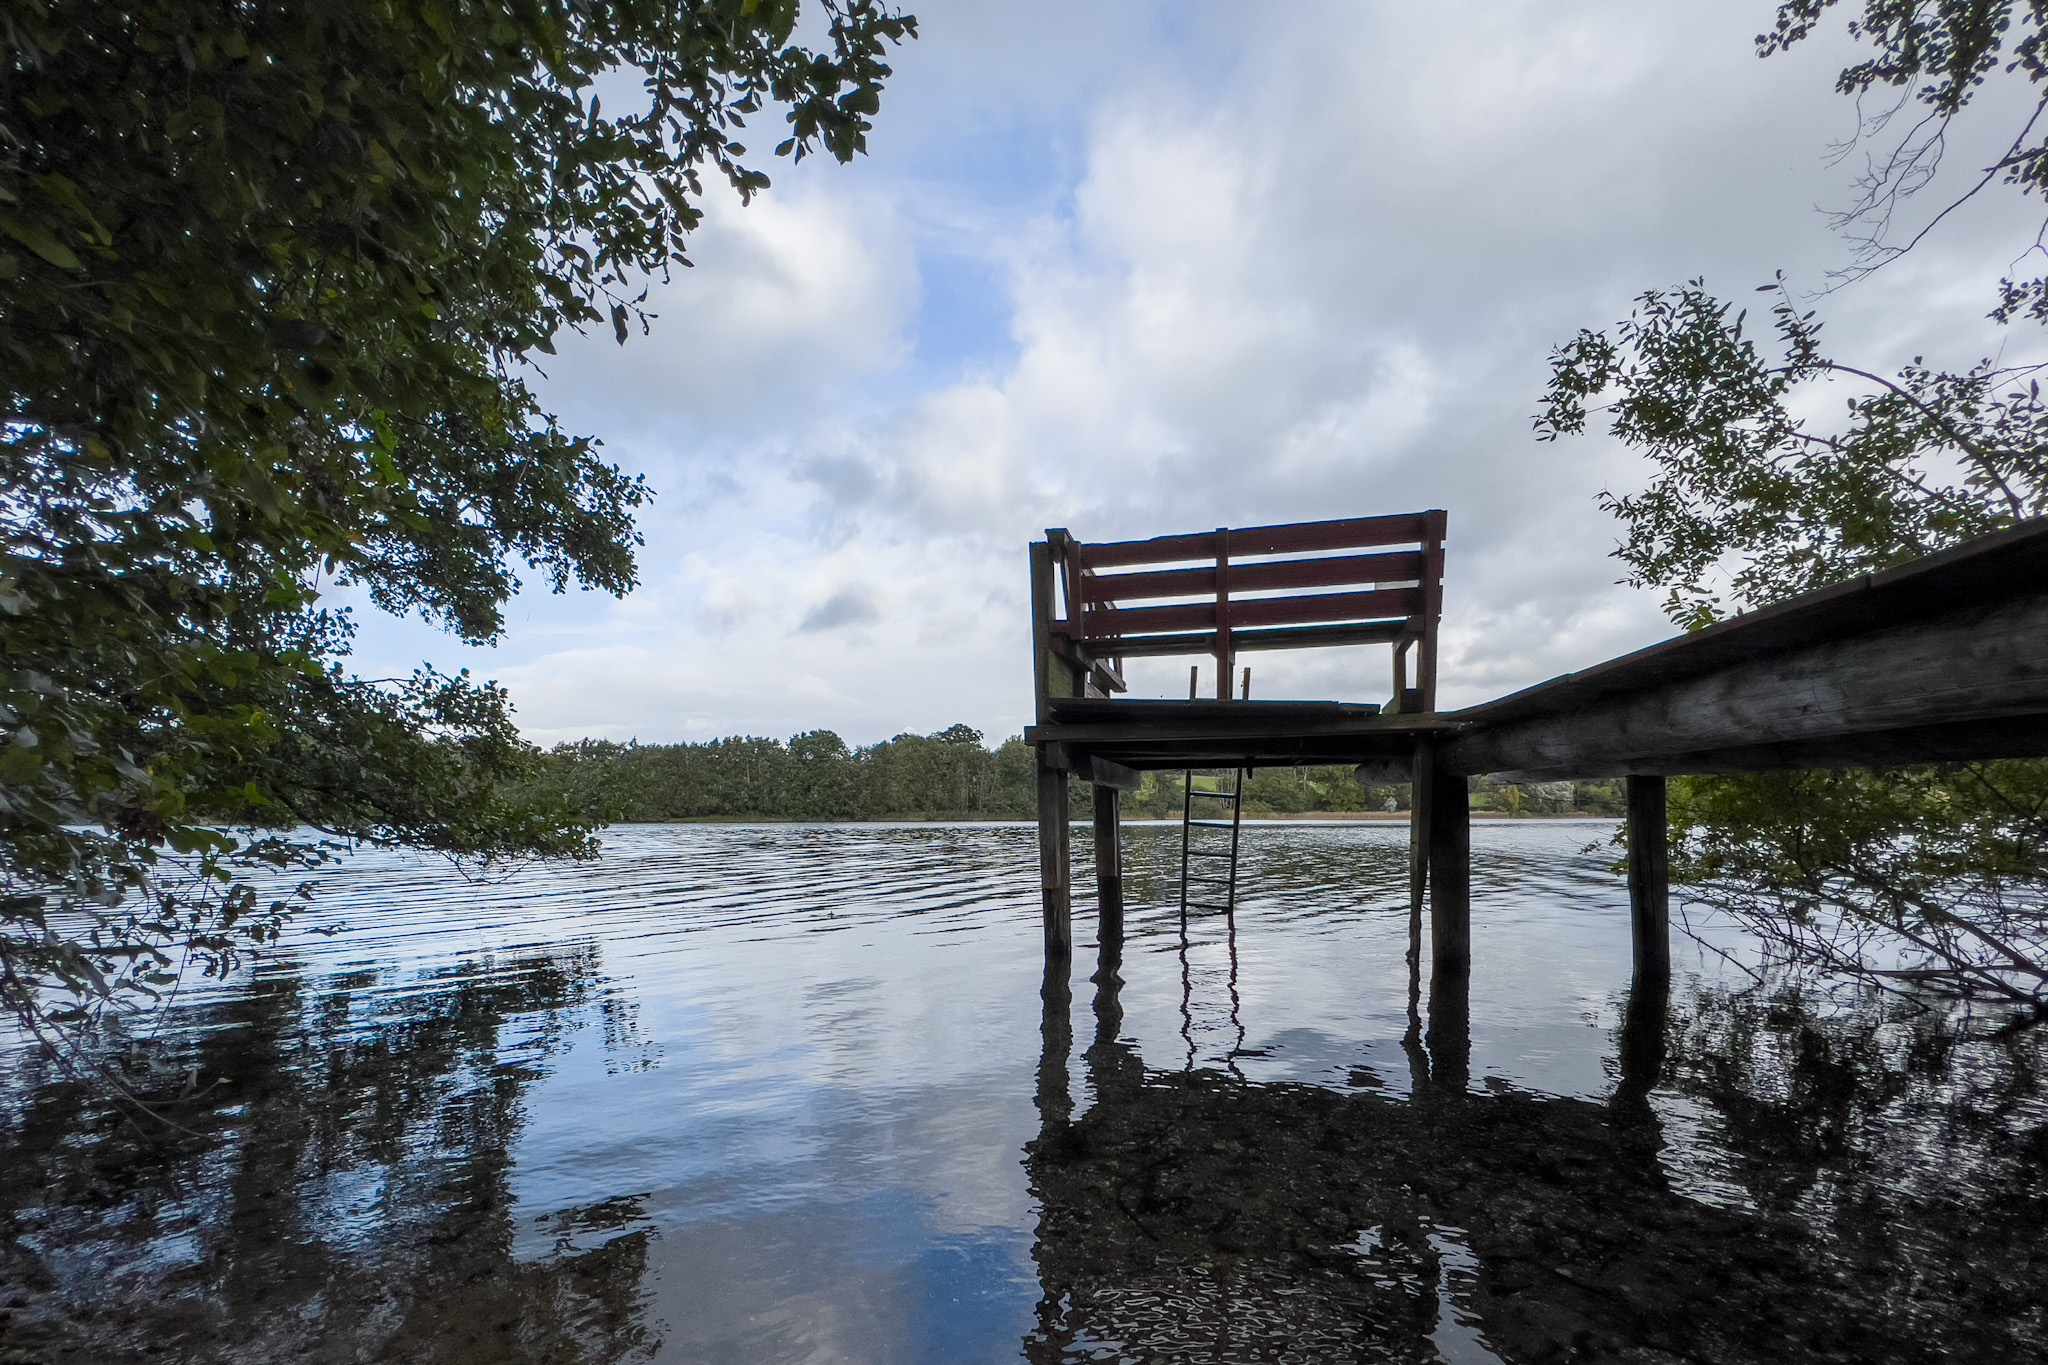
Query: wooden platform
x,y
1152,735
1941,660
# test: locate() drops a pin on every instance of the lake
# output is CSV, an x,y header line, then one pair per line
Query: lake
x,y
788,1093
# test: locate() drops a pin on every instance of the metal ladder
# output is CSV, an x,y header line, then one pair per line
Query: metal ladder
x,y
1211,857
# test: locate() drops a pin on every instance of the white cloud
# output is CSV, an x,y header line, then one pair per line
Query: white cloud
x,y
794,298
1301,264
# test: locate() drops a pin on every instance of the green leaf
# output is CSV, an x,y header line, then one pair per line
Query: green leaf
x,y
42,241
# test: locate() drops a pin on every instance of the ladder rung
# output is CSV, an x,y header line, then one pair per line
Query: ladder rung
x,y
1213,881
1207,853
1216,796
1208,905
1214,824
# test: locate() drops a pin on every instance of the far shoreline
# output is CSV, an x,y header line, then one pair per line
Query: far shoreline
x,y
1361,817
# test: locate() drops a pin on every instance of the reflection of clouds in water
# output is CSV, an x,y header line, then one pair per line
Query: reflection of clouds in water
x,y
762,1093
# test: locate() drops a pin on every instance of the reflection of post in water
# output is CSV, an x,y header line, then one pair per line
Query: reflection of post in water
x,y
1642,1044
1411,1040
1114,1070
1450,1031
1055,1094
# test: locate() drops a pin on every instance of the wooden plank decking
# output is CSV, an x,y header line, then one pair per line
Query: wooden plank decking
x,y
1151,735
1944,659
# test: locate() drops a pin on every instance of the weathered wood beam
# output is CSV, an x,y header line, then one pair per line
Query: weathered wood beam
x,y
1280,752
1972,664
1390,770
1112,776
1397,731
1960,742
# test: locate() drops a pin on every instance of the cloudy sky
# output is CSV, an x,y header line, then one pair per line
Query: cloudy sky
x,y
1142,268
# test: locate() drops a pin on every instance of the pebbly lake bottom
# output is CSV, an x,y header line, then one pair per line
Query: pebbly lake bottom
x,y
804,1093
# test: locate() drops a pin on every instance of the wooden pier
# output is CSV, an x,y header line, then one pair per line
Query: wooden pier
x,y
1941,660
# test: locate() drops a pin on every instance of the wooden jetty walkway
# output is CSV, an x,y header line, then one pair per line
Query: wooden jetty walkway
x,y
1941,660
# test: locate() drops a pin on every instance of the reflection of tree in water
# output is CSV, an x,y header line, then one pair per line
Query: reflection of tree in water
x,y
1898,1212
342,1194
1911,1139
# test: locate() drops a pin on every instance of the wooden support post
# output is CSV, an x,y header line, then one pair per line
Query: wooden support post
x,y
1109,868
1054,875
1421,769
1450,874
1649,878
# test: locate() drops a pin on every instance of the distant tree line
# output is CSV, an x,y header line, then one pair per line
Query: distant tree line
x,y
950,775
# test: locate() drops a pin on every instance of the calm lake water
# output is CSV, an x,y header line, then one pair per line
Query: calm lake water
x,y
802,1094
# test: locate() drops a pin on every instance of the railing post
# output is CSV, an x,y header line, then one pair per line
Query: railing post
x,y
1432,608
1224,653
1649,878
1450,873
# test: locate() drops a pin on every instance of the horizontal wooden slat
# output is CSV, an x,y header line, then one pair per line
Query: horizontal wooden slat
x,y
1158,550
1402,566
1357,533
1322,637
1327,606
1262,611
1148,620
1283,637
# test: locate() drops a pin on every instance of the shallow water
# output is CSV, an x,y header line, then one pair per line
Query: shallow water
x,y
801,1093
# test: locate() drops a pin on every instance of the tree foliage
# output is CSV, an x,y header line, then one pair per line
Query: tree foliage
x,y
270,279
813,776
1777,468
1925,875
1753,498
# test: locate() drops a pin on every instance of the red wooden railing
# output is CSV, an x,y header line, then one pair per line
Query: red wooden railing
x,y
1388,597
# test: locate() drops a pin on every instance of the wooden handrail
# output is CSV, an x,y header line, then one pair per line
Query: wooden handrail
x,y
1399,567
1312,609
1255,600
1306,537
